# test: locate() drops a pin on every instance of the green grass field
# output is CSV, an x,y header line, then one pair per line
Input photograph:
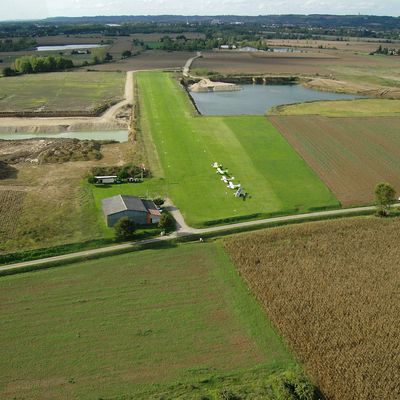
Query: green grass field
x,y
276,178
344,108
61,91
124,327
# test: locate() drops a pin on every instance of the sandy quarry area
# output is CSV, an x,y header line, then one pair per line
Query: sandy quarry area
x,y
206,85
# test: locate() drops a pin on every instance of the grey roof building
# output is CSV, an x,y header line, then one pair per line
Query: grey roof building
x,y
141,211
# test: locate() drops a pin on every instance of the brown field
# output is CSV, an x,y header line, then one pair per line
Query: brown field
x,y
265,63
351,155
147,60
346,45
364,71
57,208
332,290
11,204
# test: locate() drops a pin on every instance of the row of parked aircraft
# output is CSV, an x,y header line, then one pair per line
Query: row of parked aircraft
x,y
228,180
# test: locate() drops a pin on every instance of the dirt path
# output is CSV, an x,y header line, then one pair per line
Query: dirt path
x,y
184,230
106,121
188,64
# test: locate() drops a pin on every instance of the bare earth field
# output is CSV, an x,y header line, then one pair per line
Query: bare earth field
x,y
148,60
332,290
265,63
54,207
346,45
351,155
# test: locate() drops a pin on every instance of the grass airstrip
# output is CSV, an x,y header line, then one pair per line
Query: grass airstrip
x,y
124,327
184,145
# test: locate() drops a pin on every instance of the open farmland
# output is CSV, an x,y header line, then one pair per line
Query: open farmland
x,y
332,289
61,91
351,155
148,60
175,321
277,179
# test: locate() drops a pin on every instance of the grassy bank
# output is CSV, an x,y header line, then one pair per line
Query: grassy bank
x,y
347,108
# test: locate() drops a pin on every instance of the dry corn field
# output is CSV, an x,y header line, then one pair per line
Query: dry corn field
x,y
11,202
332,289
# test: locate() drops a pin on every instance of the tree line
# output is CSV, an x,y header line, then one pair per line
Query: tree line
x,y
8,45
34,65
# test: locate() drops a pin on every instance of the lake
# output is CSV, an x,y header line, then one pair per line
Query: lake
x,y
68,47
258,99
119,136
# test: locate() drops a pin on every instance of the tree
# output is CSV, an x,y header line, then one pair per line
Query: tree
x,y
125,229
123,174
385,196
167,221
126,54
9,72
158,201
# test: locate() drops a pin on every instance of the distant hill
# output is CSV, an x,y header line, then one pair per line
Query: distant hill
x,y
317,20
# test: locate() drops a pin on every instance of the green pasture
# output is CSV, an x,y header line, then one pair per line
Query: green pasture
x,y
183,146
61,91
122,327
343,108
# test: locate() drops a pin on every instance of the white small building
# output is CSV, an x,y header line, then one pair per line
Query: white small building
x,y
106,179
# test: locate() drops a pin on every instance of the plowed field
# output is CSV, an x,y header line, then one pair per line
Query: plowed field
x,y
332,289
351,155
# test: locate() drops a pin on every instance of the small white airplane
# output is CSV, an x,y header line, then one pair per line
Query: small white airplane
x,y
222,171
232,186
216,165
227,180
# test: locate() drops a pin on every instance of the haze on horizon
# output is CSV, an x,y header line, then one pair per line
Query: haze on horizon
x,y
37,9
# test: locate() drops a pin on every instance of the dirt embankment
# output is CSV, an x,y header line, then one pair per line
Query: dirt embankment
x,y
331,85
42,151
206,85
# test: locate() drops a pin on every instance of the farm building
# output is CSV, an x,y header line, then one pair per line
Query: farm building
x,y
141,211
106,179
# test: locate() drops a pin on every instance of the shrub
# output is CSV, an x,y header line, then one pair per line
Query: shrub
x,y
167,221
125,229
158,201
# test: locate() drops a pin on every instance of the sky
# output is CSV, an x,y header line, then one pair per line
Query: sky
x,y
36,9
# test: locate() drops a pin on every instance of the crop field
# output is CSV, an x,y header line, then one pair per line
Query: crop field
x,y
169,320
276,178
353,108
61,91
332,289
11,204
351,155
147,61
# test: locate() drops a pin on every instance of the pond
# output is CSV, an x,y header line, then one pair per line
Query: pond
x,y
68,47
258,99
119,136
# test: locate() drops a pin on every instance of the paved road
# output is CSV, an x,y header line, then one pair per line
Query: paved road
x,y
184,230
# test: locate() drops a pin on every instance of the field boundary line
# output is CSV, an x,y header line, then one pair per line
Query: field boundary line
x,y
184,233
